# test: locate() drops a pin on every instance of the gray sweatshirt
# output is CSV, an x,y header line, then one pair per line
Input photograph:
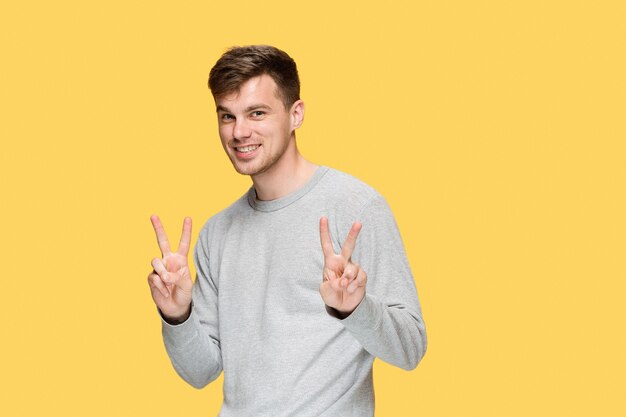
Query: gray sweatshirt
x,y
257,313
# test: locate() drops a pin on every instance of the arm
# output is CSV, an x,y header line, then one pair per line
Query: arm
x,y
387,319
188,310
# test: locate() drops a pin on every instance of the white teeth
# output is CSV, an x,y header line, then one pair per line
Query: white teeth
x,y
247,148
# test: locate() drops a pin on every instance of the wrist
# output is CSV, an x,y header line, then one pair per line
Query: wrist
x,y
177,318
339,314
343,313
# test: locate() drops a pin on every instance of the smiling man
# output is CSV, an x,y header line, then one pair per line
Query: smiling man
x,y
302,282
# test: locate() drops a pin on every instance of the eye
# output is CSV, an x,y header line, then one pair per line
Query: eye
x,y
258,113
227,116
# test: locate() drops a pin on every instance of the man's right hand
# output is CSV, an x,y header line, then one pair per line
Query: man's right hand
x,y
170,280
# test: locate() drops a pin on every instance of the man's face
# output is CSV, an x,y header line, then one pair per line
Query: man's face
x,y
254,126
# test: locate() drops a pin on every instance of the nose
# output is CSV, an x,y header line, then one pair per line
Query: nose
x,y
241,130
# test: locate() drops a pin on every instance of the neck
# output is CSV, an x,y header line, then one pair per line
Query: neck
x,y
288,174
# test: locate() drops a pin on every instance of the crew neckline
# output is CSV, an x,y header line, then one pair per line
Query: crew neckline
x,y
282,202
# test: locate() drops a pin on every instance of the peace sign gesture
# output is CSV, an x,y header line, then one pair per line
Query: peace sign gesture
x,y
170,281
343,286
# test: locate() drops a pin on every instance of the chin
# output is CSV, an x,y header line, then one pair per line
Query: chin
x,y
246,169
253,167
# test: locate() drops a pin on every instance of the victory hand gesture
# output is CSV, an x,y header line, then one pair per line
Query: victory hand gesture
x,y
343,286
170,281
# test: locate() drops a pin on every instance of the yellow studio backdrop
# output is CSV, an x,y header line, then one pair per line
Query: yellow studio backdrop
x,y
494,129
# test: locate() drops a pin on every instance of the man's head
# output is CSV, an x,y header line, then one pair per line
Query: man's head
x,y
257,98
239,64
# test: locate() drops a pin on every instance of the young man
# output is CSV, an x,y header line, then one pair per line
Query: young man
x,y
294,326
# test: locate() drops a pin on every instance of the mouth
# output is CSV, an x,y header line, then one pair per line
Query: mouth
x,y
246,152
247,149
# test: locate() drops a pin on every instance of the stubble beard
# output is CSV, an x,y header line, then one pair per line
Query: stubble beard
x,y
264,166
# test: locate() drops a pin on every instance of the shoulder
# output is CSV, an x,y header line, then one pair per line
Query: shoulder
x,y
219,223
349,194
347,199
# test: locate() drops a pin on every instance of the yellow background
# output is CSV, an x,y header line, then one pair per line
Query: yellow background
x,y
494,129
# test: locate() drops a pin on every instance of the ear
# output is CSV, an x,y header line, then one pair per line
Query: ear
x,y
296,114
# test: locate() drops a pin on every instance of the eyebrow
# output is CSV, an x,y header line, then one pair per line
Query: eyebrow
x,y
246,110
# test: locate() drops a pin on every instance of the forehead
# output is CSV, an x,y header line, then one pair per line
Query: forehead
x,y
257,90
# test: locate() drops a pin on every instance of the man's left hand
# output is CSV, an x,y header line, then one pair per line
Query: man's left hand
x,y
343,287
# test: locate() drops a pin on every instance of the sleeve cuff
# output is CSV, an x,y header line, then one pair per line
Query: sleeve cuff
x,y
365,317
179,335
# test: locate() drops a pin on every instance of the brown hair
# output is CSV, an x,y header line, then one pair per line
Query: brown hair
x,y
240,63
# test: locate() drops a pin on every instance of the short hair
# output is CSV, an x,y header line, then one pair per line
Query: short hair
x,y
241,63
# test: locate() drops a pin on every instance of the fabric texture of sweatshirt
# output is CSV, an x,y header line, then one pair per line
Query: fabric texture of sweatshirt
x,y
257,314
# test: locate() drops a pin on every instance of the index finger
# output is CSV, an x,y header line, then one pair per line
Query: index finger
x,y
164,244
350,243
327,244
185,238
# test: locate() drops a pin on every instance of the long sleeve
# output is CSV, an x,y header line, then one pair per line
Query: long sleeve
x,y
193,346
388,322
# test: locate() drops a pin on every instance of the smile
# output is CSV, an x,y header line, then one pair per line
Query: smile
x,y
247,149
